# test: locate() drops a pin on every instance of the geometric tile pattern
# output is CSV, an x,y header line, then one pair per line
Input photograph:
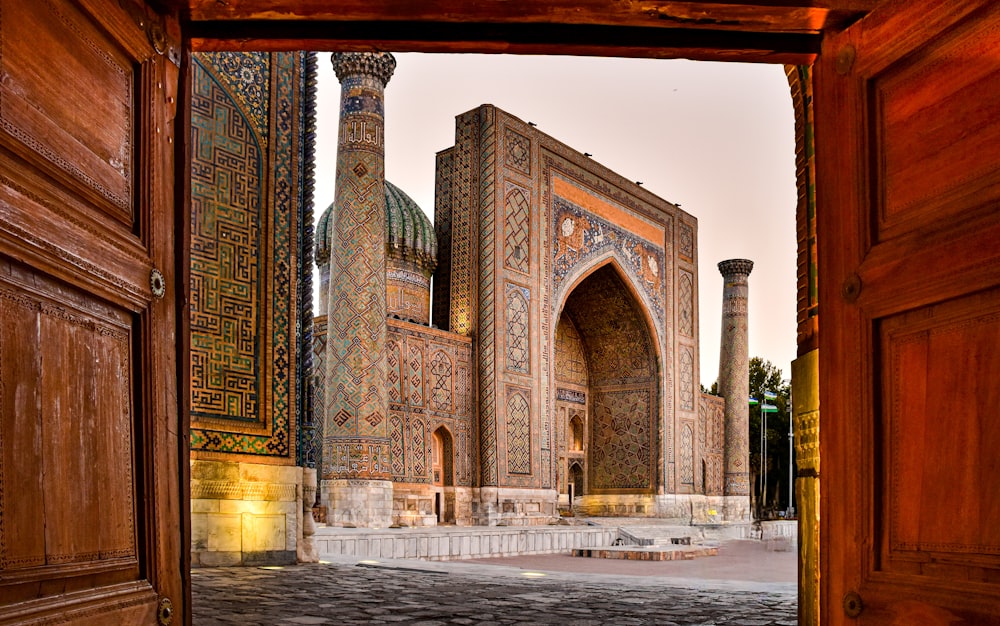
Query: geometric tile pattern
x,y
571,362
518,323
712,441
356,342
486,332
686,243
685,304
441,393
687,379
517,242
397,459
622,440
394,380
415,374
227,196
465,203
687,455
247,139
518,152
518,432
443,397
418,448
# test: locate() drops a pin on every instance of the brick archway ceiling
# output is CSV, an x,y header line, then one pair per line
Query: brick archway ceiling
x,y
616,340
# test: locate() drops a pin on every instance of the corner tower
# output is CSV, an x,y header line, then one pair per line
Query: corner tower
x,y
734,386
356,478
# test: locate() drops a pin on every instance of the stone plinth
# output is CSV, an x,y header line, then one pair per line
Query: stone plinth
x,y
247,514
355,502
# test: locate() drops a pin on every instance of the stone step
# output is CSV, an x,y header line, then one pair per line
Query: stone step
x,y
632,553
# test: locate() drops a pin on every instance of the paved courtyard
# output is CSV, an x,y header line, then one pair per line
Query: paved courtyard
x,y
752,588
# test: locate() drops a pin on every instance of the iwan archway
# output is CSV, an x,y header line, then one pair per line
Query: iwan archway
x,y
607,382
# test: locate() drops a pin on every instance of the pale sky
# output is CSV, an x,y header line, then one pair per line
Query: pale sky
x,y
716,138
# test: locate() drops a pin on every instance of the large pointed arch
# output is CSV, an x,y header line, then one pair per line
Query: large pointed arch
x,y
614,259
623,386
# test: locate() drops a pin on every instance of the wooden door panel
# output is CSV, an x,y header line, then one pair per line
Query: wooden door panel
x,y
935,515
66,391
90,477
70,101
908,211
927,171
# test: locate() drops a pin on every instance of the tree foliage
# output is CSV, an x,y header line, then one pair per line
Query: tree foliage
x,y
765,376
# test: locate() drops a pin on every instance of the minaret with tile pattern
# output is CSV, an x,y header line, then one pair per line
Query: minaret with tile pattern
x,y
356,478
734,386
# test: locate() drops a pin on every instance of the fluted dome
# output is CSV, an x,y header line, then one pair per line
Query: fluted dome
x,y
409,234
322,247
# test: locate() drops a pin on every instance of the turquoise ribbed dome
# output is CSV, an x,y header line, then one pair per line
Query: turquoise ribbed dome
x,y
409,234
322,247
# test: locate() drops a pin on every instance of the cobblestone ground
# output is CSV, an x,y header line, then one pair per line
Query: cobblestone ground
x,y
345,593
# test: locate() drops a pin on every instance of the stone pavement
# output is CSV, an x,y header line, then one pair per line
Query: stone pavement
x,y
350,590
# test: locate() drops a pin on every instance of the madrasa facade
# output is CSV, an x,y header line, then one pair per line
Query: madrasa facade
x,y
532,353
555,370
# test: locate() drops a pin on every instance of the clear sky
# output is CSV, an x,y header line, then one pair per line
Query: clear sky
x,y
716,138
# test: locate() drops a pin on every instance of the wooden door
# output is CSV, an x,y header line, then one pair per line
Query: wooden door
x,y
90,515
908,209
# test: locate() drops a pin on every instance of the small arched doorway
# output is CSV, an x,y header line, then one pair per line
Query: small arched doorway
x,y
443,468
575,483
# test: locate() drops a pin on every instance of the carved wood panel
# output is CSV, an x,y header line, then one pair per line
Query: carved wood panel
x,y
90,477
70,103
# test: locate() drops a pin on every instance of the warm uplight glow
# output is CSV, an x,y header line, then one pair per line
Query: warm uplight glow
x,y
532,574
271,567
366,562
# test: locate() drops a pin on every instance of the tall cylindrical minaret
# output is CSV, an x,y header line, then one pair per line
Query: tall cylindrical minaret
x,y
734,386
356,485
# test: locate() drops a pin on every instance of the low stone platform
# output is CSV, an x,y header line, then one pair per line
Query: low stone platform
x,y
649,553
443,543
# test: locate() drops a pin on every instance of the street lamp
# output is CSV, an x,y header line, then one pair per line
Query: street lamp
x,y
765,408
754,402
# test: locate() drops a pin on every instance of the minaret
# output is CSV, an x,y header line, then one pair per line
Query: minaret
x,y
356,481
734,386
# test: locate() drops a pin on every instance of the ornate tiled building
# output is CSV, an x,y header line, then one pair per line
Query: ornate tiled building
x,y
559,368
249,303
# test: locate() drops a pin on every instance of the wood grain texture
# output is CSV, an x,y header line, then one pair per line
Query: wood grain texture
x,y
508,38
89,446
907,514
779,15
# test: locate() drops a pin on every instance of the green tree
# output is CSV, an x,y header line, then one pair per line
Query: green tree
x,y
772,497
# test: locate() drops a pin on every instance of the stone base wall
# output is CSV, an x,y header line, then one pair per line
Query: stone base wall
x,y
444,544
678,508
514,507
250,514
360,503
413,505
616,505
